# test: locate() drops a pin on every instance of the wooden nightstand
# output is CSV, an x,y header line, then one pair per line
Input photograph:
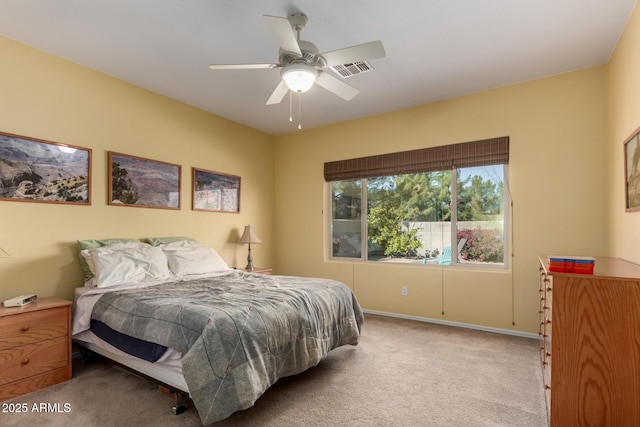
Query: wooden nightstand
x,y
35,346
260,270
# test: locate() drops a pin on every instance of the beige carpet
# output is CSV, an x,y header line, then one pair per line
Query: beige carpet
x,y
403,373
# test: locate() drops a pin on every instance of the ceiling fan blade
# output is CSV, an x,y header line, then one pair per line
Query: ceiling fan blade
x,y
241,66
334,85
278,94
349,55
281,28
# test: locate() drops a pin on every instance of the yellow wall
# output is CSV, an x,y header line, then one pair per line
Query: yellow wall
x,y
557,130
624,118
45,97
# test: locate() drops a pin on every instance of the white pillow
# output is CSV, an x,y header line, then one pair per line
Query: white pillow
x,y
185,243
87,254
137,264
188,257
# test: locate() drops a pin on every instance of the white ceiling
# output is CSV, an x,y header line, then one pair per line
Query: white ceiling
x,y
435,49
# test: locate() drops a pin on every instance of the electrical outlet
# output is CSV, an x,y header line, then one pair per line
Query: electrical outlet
x,y
404,291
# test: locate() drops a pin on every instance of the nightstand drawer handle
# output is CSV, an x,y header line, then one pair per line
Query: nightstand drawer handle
x,y
24,329
25,360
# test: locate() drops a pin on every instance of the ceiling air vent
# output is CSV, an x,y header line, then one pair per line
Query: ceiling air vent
x,y
348,70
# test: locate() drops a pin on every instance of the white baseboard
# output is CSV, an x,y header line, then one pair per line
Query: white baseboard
x,y
456,324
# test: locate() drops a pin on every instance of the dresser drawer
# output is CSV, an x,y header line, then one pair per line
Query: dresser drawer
x,y
27,328
32,359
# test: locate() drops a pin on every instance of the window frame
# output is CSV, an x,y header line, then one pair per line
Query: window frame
x,y
364,237
506,231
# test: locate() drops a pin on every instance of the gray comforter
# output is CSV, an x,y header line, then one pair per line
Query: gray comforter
x,y
240,332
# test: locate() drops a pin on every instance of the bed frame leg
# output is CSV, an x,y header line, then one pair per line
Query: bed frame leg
x,y
179,407
86,355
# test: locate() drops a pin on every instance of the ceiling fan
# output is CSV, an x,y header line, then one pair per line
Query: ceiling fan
x,y
302,65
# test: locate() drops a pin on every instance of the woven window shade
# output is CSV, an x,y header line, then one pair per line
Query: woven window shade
x,y
493,151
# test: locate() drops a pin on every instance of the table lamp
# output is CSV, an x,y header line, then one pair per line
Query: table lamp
x,y
249,236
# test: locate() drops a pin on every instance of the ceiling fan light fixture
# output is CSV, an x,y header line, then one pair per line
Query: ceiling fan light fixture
x,y
299,77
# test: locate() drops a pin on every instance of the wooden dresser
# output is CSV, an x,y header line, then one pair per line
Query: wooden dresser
x,y
590,344
35,346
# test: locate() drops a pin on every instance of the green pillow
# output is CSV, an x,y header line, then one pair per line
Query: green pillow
x,y
93,244
157,241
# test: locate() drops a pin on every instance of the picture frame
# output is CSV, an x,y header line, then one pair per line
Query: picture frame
x,y
215,191
632,172
139,182
37,170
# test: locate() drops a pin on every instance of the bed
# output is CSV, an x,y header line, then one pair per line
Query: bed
x,y
173,311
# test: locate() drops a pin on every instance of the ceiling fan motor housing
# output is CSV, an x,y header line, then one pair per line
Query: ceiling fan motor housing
x,y
309,55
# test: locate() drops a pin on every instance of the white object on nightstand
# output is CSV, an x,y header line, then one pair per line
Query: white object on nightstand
x,y
20,301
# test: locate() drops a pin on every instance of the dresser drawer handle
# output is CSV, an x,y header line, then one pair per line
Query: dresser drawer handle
x,y
24,329
25,361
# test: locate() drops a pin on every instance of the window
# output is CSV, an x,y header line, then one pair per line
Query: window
x,y
439,216
346,217
480,214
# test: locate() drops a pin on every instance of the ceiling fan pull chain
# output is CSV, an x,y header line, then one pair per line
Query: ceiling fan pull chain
x,y
290,107
299,111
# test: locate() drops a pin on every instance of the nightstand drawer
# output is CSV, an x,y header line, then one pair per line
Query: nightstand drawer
x,y
26,328
35,346
32,359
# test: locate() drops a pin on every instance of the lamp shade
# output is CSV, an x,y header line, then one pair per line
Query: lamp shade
x,y
249,235
299,77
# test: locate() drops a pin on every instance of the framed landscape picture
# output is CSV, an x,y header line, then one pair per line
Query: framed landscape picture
x,y
35,170
632,172
135,181
215,192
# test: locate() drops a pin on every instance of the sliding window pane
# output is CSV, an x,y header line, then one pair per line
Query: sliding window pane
x,y
480,215
346,219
